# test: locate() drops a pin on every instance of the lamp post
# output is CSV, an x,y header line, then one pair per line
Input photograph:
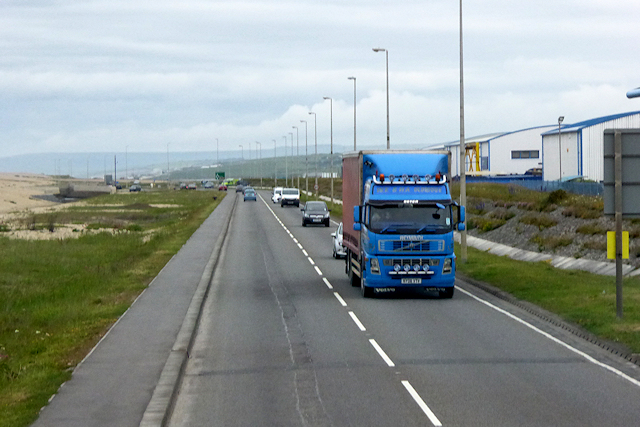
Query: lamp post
x,y
286,163
260,161
168,170
354,111
560,120
387,56
242,161
633,93
331,155
297,150
463,179
306,156
275,165
250,168
126,161
315,130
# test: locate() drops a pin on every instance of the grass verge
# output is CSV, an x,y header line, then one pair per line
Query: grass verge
x,y
58,297
588,300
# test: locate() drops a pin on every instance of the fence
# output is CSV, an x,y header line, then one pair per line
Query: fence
x,y
583,188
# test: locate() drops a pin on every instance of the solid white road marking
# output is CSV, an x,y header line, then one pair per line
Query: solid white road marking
x,y
343,302
432,417
382,353
554,339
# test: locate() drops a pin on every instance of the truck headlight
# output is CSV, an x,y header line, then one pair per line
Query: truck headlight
x,y
375,266
446,268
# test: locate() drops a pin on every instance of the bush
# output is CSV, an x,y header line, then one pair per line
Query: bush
x,y
591,228
540,221
503,214
551,242
485,224
557,196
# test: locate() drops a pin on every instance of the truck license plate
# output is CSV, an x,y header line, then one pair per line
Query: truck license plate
x,y
412,281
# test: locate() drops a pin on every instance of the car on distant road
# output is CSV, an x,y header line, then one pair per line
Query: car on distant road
x,y
222,187
207,184
192,186
135,187
239,188
315,212
277,194
290,196
250,194
339,251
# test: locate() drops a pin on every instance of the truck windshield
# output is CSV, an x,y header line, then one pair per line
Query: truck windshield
x,y
409,219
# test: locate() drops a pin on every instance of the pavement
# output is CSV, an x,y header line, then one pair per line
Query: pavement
x,y
562,262
133,370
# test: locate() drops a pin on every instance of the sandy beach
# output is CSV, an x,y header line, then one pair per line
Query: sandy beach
x,y
17,190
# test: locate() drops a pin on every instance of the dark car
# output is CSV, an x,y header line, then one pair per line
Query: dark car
x,y
239,188
207,184
315,213
250,194
135,187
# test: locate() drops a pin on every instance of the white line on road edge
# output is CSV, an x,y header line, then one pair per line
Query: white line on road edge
x,y
554,339
382,353
432,417
318,270
326,282
357,321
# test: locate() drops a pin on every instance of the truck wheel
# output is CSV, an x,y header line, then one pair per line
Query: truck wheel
x,y
304,224
447,293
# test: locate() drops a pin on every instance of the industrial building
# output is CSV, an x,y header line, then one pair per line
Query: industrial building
x,y
580,151
515,153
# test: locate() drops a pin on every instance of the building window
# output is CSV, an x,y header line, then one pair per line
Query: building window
x,y
527,154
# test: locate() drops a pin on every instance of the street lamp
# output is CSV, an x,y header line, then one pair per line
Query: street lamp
x,y
168,170
560,120
275,165
306,156
297,150
315,130
286,163
463,152
387,56
634,93
331,156
126,161
260,161
354,111
242,161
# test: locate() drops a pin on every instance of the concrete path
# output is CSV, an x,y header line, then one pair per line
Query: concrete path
x,y
566,263
114,384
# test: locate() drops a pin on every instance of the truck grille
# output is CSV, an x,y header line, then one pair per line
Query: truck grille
x,y
408,246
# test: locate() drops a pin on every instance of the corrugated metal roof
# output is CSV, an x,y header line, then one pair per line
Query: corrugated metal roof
x,y
591,122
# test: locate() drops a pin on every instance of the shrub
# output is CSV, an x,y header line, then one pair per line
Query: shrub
x,y
503,214
598,245
485,224
540,221
557,196
551,242
591,228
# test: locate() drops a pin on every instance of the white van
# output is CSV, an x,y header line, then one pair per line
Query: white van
x,y
277,194
290,196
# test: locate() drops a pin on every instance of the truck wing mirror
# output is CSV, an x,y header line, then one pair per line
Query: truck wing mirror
x,y
461,226
356,215
461,214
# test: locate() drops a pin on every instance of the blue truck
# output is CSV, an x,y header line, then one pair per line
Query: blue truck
x,y
398,221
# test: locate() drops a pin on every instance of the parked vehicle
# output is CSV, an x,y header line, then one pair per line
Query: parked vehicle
x,y
339,251
290,196
135,187
315,213
277,195
192,186
250,194
399,220
208,185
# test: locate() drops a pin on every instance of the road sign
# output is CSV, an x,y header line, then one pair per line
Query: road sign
x,y
630,172
315,187
219,175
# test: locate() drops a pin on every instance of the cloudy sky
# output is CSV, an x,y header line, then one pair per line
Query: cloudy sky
x,y
102,75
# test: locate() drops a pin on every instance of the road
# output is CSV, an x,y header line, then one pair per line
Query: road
x,y
284,340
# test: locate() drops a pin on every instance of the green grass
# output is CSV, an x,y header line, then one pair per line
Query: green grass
x,y
579,297
58,297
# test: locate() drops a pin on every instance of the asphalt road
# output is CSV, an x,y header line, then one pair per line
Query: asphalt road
x,y
284,340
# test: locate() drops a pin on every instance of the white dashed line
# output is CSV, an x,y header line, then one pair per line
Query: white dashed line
x,y
311,261
432,417
382,354
318,270
343,302
357,321
326,282
303,251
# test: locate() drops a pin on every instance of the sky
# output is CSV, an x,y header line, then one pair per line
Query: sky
x,y
96,76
